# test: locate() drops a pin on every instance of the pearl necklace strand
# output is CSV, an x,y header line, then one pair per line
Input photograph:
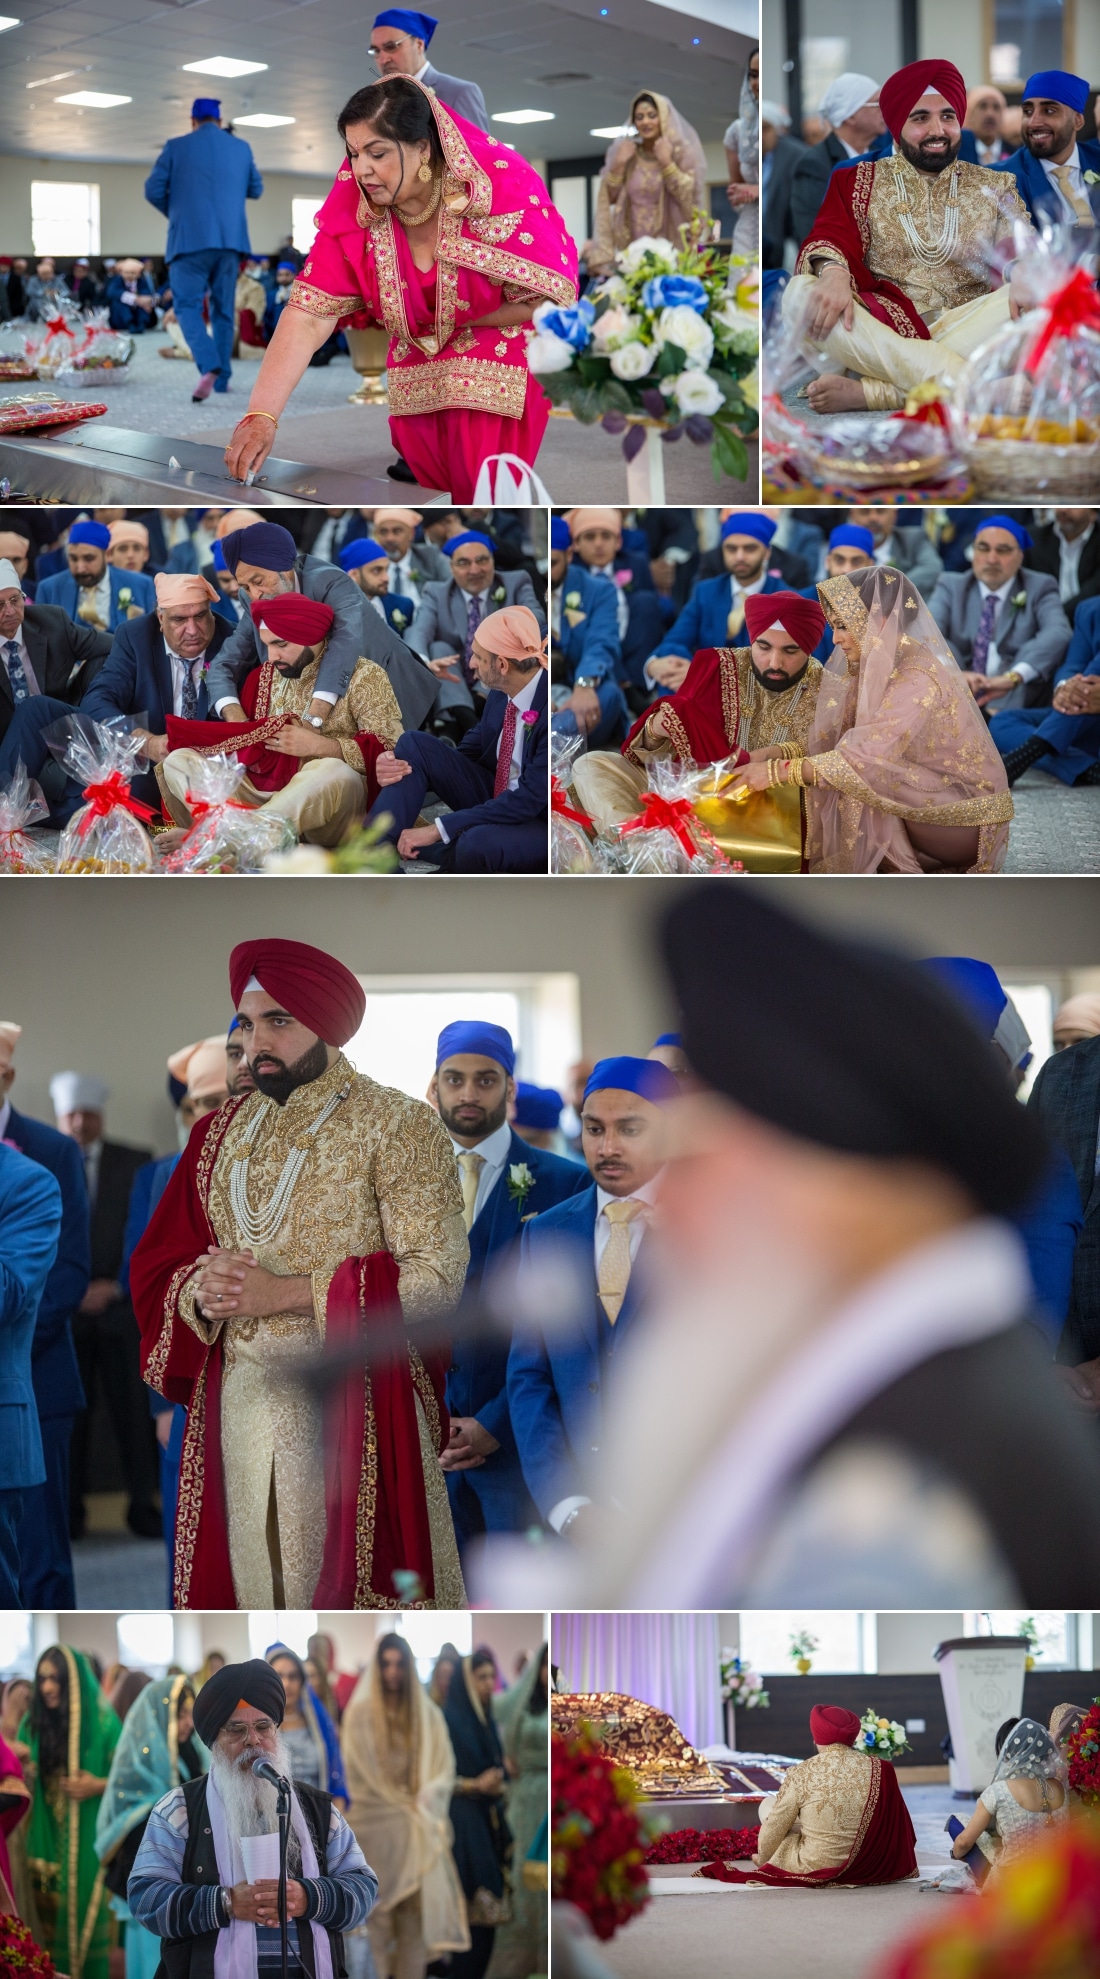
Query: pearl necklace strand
x,y
261,1227
933,253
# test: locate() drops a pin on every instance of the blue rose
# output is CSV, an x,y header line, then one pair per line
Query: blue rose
x,y
573,326
669,291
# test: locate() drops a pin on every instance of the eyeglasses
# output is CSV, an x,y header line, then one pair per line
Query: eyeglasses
x,y
387,47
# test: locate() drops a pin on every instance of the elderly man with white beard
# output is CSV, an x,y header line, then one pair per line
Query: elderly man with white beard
x,y
189,1886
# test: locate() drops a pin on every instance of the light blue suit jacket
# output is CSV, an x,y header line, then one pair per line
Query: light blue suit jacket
x,y
62,589
30,1226
201,181
465,97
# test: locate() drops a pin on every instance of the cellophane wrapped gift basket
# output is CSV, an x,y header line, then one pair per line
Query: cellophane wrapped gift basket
x,y
22,806
570,825
107,834
226,836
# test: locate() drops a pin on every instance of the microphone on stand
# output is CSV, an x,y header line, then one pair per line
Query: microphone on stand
x,y
263,1770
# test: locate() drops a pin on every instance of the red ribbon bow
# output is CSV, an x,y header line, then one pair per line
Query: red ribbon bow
x,y
1075,306
560,806
665,814
56,326
111,793
200,809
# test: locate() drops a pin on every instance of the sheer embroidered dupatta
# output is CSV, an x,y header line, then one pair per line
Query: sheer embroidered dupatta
x,y
646,203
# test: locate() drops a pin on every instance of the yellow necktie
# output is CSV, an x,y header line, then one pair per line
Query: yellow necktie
x,y
86,611
614,1272
1079,204
736,618
471,1165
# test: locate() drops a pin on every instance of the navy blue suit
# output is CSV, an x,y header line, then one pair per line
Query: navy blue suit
x,y
487,834
1035,189
591,648
45,1554
403,609
1075,738
62,589
146,1190
823,650
494,1498
30,1225
649,614
558,1375
705,617
201,181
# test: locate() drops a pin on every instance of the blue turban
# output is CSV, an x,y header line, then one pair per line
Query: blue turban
x,y
363,550
265,544
537,1106
96,533
1058,87
850,536
748,524
977,987
421,25
217,556
669,1037
234,1026
467,536
478,1041
1005,522
561,536
177,1090
206,106
645,1076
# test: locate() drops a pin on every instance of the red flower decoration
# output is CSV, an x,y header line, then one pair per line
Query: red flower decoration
x,y
705,1845
597,1842
20,1957
1084,1758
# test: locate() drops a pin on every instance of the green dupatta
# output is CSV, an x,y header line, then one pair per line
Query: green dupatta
x,y
61,1856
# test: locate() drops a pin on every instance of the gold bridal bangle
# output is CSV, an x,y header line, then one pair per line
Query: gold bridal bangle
x,y
259,415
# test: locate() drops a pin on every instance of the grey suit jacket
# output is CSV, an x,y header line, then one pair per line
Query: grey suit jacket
x,y
442,615
358,633
1034,635
915,554
465,97
777,224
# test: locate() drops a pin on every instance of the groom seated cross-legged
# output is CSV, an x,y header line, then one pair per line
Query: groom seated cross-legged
x,y
901,277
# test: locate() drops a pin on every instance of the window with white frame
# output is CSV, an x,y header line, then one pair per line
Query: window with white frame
x,y
1053,1633
846,1640
64,217
426,1633
303,222
395,1043
1036,1004
293,1626
146,1641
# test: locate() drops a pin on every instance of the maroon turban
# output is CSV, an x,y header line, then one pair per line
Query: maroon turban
x,y
830,1724
310,985
900,93
302,621
803,618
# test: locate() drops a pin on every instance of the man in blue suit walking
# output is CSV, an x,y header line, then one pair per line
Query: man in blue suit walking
x,y
30,1223
715,613
201,181
1057,172
504,1184
559,1372
46,1569
92,591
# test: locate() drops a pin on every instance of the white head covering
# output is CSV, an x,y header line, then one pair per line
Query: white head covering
x,y
9,576
775,115
10,1035
845,96
78,1092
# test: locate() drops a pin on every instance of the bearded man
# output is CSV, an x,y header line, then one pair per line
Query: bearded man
x,y
899,280
320,779
317,1208
93,590
189,1884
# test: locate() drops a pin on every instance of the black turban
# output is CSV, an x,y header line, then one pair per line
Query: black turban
x,y
266,544
845,1045
254,1683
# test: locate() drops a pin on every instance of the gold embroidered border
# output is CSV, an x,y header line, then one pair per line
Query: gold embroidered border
x,y
496,227
902,322
848,607
835,769
458,384
365,1506
728,657
157,1359
428,1402
316,302
814,250
863,177
263,732
499,266
189,1499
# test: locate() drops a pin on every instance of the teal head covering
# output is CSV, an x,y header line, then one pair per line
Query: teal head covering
x,y
146,1763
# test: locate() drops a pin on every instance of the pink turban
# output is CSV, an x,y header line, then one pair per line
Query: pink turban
x,y
513,634
182,588
409,515
120,531
580,519
202,1067
1078,1013
901,92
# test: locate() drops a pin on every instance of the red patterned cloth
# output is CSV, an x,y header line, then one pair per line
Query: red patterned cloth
x,y
884,1851
705,711
842,225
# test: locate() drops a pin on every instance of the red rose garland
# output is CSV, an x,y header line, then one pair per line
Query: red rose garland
x,y
704,1845
597,1840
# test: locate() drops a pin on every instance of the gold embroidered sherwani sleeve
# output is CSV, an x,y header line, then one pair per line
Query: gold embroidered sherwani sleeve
x,y
188,1305
372,706
420,1205
785,1812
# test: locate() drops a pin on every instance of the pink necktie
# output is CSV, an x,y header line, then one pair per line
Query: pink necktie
x,y
507,744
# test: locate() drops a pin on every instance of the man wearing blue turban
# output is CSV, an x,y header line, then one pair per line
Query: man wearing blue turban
x,y
447,621
367,563
563,1364
504,1183
1004,624
92,591
1057,171
850,548
201,182
715,613
399,46
585,646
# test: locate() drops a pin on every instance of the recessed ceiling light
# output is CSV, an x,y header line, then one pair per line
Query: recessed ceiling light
x,y
59,77
523,117
262,122
224,65
612,130
93,99
7,21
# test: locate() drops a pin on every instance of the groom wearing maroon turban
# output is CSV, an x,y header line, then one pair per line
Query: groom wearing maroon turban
x,y
318,1208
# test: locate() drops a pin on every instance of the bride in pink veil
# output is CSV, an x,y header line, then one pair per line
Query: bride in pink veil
x,y
901,773
649,185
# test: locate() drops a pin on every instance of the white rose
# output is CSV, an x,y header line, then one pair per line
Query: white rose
x,y
683,326
545,352
695,392
663,252
633,361
616,326
615,289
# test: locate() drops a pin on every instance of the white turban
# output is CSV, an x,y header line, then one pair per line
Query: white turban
x,y
10,1035
845,96
9,576
78,1092
775,115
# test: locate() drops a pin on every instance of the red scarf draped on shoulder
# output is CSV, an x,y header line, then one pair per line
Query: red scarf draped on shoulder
x,y
267,769
884,1850
842,224
703,715
376,1509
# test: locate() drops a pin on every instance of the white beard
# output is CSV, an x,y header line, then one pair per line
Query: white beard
x,y
251,1804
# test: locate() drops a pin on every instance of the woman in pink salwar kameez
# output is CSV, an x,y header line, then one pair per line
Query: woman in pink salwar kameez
x,y
450,240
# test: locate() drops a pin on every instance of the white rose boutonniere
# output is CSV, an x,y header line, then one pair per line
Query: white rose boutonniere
x,y
573,611
126,603
398,619
498,594
1092,178
520,1183
1019,601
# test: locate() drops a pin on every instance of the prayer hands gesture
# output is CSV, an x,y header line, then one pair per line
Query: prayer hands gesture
x,y
831,302
231,1285
258,1903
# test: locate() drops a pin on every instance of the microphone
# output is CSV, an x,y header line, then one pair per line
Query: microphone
x,y
263,1770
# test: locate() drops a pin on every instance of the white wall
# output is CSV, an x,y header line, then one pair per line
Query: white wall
x,y
128,224
906,1642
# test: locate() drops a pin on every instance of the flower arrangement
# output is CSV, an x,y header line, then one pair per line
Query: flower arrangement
x,y
1083,1749
740,1685
800,1649
597,1834
664,339
704,1845
520,1182
20,1957
1038,1919
882,1735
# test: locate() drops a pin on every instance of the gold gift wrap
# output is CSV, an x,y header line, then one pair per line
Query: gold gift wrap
x,y
761,828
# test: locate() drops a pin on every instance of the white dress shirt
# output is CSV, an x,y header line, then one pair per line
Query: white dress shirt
x,y
180,668
521,702
401,579
494,1153
993,663
1069,561
5,1116
18,640
1076,180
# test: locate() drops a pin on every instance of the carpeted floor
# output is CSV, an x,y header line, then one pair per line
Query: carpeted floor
x,y
1056,828
115,1570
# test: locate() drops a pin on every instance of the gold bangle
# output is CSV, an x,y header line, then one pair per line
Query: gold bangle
x,y
258,415
794,751
794,771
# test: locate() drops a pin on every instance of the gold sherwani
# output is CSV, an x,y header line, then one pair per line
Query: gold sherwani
x,y
818,1812
353,1167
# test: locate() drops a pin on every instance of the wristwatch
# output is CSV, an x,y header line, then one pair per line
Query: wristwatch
x,y
314,721
586,680
225,1905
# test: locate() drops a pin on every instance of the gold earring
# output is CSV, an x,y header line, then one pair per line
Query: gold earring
x,y
424,173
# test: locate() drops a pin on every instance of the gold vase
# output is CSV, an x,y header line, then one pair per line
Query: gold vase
x,y
803,1665
368,350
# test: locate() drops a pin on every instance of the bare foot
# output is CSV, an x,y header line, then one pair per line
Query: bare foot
x,y
167,841
833,393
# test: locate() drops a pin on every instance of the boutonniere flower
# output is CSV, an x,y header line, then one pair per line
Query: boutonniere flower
x,y
530,716
520,1182
573,600
498,595
398,619
126,596
624,579
1019,601
1092,178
